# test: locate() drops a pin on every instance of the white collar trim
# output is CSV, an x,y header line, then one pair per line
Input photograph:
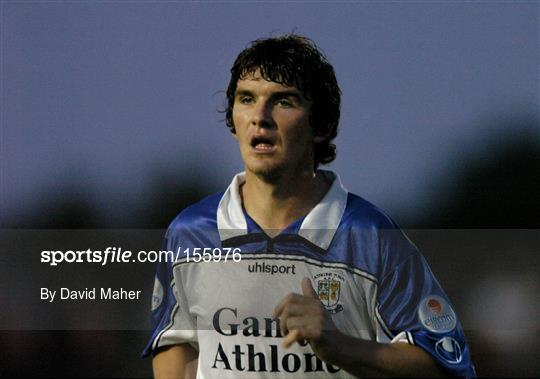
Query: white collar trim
x,y
318,227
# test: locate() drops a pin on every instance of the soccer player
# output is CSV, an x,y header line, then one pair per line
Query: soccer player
x,y
326,285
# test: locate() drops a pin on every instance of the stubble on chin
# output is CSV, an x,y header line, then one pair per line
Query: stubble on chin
x,y
274,172
271,175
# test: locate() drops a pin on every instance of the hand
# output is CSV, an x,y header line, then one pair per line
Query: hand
x,y
303,317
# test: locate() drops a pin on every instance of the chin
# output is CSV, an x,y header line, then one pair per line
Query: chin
x,y
267,172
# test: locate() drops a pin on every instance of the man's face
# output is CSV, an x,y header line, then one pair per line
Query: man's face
x,y
272,127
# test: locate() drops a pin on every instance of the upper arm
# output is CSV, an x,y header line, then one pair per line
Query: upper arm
x,y
413,307
172,321
176,361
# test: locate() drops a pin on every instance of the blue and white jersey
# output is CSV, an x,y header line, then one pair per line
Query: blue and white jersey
x,y
367,274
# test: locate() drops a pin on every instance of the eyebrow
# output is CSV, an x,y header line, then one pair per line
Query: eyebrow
x,y
296,94
242,92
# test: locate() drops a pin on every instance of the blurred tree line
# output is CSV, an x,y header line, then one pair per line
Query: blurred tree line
x,y
500,190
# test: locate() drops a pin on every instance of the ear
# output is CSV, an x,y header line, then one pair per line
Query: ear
x,y
319,139
321,136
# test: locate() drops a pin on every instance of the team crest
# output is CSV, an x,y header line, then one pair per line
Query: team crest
x,y
329,290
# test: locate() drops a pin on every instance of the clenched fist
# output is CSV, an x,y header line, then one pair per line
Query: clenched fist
x,y
303,317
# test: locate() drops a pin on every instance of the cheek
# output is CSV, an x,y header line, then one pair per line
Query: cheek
x,y
301,132
235,119
239,119
237,122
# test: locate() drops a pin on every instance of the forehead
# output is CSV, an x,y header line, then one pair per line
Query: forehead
x,y
256,82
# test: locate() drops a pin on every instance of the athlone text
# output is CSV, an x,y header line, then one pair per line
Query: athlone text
x,y
256,356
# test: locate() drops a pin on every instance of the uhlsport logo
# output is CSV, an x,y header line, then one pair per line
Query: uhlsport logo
x,y
449,350
157,295
436,314
329,290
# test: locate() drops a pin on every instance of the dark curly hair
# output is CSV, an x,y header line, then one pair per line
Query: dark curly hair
x,y
294,60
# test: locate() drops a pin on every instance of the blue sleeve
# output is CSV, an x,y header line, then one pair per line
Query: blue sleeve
x,y
171,321
415,309
163,303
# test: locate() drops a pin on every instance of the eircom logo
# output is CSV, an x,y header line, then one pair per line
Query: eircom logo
x,y
435,306
436,314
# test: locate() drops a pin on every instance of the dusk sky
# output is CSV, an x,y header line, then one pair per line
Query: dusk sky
x,y
96,96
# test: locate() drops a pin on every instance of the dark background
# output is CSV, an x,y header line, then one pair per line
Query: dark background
x,y
109,127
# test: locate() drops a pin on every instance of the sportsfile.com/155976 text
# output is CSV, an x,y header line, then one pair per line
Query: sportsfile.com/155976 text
x,y
119,255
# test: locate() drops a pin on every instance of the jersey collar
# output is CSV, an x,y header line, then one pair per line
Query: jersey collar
x,y
318,227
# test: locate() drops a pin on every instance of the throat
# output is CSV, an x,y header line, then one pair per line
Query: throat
x,y
274,208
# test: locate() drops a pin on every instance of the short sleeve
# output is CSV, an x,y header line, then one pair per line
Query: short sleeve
x,y
171,322
413,308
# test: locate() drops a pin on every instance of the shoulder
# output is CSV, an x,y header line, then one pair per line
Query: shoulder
x,y
201,214
360,213
380,244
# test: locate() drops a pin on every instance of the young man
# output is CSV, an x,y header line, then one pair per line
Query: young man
x,y
326,285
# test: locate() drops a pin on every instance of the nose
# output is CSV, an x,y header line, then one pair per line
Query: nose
x,y
262,115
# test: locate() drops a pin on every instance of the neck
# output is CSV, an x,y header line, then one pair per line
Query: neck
x,y
277,203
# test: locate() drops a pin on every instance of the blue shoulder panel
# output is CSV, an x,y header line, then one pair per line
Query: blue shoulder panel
x,y
193,227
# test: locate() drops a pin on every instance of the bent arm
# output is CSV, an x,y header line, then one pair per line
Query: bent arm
x,y
176,361
304,318
368,358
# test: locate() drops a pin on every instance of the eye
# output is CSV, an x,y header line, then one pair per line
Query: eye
x,y
284,102
245,99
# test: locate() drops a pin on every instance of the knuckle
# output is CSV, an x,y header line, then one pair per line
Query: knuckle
x,y
290,298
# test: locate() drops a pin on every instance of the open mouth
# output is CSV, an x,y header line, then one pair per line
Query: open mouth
x,y
263,144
